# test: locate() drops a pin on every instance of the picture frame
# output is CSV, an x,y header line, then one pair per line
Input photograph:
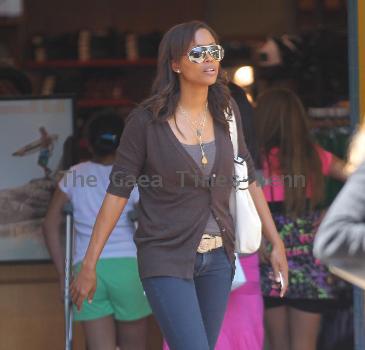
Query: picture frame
x,y
32,135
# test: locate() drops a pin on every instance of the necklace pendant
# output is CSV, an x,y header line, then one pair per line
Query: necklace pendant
x,y
198,132
204,160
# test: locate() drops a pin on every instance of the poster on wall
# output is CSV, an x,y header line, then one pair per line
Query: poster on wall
x,y
32,134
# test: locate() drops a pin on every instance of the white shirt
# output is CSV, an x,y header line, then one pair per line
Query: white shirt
x,y
85,185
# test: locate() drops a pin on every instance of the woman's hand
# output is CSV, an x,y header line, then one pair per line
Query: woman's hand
x,y
280,264
83,286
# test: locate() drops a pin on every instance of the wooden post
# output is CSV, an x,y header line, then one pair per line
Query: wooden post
x,y
356,47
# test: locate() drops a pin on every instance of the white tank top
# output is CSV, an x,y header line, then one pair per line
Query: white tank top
x,y
85,185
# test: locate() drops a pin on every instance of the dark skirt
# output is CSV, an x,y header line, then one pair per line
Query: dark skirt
x,y
308,278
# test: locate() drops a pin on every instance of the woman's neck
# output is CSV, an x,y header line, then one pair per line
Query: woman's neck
x,y
193,98
106,160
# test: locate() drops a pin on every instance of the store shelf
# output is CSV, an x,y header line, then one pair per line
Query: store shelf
x,y
92,103
329,123
100,63
10,21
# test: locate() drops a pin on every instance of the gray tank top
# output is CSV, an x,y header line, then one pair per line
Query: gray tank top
x,y
195,153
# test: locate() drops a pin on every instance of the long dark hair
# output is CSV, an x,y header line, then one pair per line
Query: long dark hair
x,y
165,93
281,121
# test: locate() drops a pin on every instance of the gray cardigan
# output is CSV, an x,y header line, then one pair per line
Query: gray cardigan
x,y
342,232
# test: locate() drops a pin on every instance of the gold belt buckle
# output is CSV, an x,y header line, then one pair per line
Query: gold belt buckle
x,y
205,244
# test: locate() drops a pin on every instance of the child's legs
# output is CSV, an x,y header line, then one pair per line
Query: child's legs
x,y
277,323
132,335
129,303
119,297
100,334
304,326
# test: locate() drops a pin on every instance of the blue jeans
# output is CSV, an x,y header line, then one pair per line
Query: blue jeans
x,y
190,312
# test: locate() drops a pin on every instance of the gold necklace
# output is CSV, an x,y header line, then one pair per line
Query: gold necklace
x,y
198,129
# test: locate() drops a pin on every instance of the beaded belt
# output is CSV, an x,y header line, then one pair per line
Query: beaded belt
x,y
209,242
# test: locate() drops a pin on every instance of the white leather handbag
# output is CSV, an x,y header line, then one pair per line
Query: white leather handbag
x,y
246,219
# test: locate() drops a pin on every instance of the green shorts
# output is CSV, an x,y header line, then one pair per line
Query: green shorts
x,y
119,292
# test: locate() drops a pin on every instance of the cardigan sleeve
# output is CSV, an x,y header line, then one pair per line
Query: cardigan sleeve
x,y
242,147
130,155
342,232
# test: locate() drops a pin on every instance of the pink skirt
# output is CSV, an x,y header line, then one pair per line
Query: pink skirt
x,y
243,328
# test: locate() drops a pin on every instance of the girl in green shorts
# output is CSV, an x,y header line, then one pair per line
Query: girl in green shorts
x,y
118,311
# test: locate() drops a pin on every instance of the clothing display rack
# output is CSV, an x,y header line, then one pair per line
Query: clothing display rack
x,y
331,129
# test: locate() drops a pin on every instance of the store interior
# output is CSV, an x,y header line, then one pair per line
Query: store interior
x,y
103,55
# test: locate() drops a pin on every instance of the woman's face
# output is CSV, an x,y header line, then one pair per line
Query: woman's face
x,y
204,73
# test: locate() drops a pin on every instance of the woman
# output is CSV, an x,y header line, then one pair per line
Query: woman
x,y
295,168
119,309
242,327
178,139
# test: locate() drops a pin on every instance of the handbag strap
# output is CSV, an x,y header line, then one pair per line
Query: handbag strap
x,y
233,131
